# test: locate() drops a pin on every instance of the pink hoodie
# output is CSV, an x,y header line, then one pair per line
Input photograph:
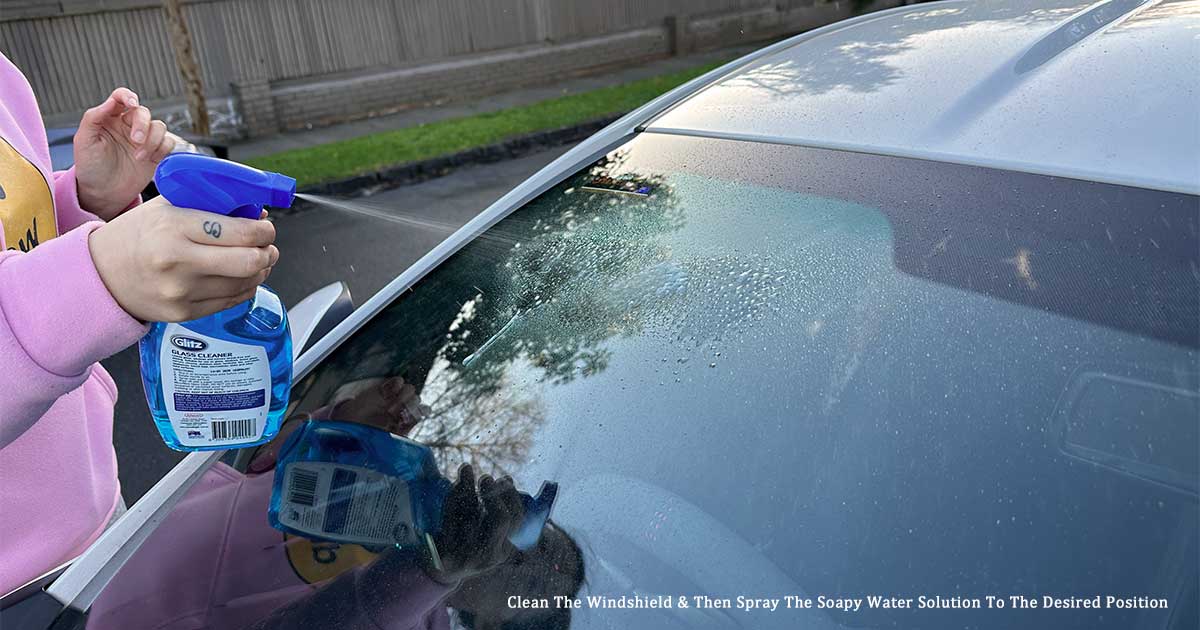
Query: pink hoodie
x,y
214,562
58,470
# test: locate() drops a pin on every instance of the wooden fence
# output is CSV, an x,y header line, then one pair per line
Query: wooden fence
x,y
74,51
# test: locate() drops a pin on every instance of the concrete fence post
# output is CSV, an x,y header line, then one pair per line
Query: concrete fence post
x,y
677,30
252,100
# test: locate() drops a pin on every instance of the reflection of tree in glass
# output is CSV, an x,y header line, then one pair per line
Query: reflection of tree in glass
x,y
541,312
532,300
550,301
491,431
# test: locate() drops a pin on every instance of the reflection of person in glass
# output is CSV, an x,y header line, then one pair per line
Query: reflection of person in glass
x,y
215,563
471,552
553,568
474,570
385,403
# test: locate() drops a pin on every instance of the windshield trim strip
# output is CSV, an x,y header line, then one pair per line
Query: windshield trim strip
x,y
1018,166
85,579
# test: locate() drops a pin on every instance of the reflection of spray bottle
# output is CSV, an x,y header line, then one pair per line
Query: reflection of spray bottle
x,y
352,483
221,381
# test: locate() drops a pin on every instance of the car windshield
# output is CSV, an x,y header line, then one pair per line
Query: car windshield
x,y
762,371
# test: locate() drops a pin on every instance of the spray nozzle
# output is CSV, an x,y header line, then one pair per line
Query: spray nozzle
x,y
201,182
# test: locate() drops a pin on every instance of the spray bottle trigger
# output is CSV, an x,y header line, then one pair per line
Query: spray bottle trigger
x,y
248,211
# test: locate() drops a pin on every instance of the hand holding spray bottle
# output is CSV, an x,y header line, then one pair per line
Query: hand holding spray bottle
x,y
221,381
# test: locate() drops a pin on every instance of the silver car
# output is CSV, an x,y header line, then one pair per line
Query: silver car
x,y
891,324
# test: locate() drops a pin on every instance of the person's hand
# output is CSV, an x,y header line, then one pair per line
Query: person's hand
x,y
386,403
168,264
475,527
117,148
391,405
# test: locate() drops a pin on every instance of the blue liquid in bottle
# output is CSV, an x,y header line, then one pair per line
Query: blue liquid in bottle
x,y
351,483
221,381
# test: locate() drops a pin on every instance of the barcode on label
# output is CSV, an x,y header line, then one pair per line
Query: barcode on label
x,y
303,488
233,429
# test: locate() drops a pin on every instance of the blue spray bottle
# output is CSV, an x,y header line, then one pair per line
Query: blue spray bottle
x,y
352,483
221,381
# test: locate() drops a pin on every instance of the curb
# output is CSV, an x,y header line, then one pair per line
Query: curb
x,y
411,173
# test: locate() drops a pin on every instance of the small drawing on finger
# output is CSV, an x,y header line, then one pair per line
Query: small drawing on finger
x,y
212,228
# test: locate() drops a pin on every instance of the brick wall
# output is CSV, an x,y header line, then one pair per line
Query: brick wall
x,y
723,29
255,106
345,98
323,101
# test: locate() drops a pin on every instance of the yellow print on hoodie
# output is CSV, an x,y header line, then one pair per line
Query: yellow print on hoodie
x,y
26,206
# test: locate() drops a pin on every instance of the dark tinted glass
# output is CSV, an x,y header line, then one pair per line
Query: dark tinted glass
x,y
770,371
765,371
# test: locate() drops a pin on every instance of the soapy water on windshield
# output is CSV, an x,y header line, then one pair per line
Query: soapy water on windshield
x,y
657,290
657,284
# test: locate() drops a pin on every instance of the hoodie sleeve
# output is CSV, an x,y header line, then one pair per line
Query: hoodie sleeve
x,y
392,593
66,202
56,319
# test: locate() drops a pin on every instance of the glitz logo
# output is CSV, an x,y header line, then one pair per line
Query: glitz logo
x,y
187,343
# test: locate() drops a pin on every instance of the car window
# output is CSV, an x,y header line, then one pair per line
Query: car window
x,y
777,372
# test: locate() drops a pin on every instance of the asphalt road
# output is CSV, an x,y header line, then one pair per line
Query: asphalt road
x,y
318,246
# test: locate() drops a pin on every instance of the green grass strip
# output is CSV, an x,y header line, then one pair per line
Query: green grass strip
x,y
346,158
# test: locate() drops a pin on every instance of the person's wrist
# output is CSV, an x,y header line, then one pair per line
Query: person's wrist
x,y
107,267
96,203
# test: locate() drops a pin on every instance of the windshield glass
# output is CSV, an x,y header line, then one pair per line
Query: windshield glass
x,y
795,374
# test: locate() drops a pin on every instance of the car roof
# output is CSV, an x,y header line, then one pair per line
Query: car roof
x,y
1104,91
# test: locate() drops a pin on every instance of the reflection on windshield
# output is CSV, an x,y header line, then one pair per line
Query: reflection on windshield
x,y
775,372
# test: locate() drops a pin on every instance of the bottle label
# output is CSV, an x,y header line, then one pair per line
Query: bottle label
x,y
348,504
217,392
